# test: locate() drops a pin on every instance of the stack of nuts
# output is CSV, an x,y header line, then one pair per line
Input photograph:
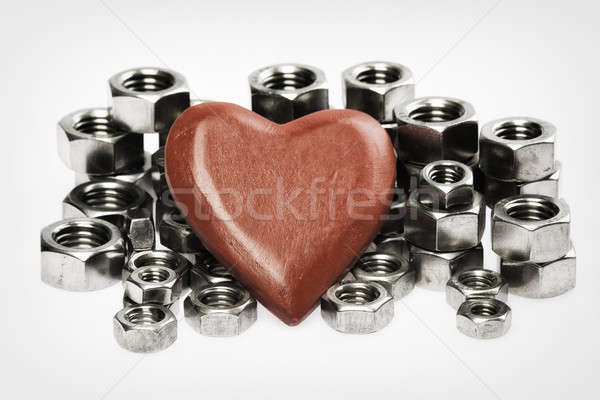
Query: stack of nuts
x,y
122,225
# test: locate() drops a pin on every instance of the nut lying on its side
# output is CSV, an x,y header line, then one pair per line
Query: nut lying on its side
x,y
145,328
483,318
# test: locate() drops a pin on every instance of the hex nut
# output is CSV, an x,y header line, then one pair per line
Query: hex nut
x,y
145,328
459,228
121,203
497,189
467,285
91,142
153,284
408,174
224,309
446,184
159,258
177,235
391,272
284,92
159,177
393,221
376,87
173,307
209,272
394,244
436,128
434,269
531,228
483,318
541,280
517,148
148,99
139,174
81,254
357,307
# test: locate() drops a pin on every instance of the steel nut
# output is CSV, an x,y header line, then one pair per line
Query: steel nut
x,y
284,92
209,272
467,285
81,254
357,307
159,258
517,148
148,99
173,307
436,128
153,284
91,142
434,269
497,189
177,235
138,174
376,87
459,228
483,318
446,184
121,203
394,244
145,328
159,177
391,272
224,309
541,280
531,228
393,221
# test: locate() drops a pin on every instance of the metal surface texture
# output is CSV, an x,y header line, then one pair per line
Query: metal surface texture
x,y
159,258
483,318
391,272
145,328
468,285
446,184
177,235
153,284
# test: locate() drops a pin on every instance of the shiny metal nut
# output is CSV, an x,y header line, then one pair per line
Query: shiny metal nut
x,y
391,272
153,284
121,203
467,285
139,174
224,309
148,99
408,174
446,184
393,244
81,254
357,307
159,258
459,228
483,318
284,92
434,269
517,148
177,235
90,142
376,87
145,328
531,228
173,307
159,177
393,221
209,272
497,189
436,128
541,280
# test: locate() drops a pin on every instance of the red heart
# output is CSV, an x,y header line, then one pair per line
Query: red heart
x,y
286,207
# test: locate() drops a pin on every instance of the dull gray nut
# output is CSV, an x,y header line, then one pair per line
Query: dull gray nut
x,y
483,318
391,272
467,285
145,328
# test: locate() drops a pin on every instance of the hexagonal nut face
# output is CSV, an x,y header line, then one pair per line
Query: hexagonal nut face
x,y
90,142
531,228
209,272
483,318
391,272
145,328
225,309
517,148
357,307
395,245
434,269
467,285
121,203
376,87
541,280
159,258
148,99
153,284
436,128
284,92
456,229
81,254
446,184
393,221
497,189
177,235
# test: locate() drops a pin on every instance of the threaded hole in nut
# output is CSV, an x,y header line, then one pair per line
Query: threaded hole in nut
x,y
437,111
379,74
149,81
221,297
531,209
154,274
518,130
145,315
290,79
357,293
478,280
484,309
446,174
80,235
95,126
379,266
112,196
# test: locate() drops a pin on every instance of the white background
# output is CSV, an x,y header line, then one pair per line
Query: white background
x,y
507,57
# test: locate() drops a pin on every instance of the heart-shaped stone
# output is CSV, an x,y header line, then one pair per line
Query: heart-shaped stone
x,y
287,208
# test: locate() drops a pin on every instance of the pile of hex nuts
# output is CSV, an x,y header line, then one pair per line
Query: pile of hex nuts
x,y
121,224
